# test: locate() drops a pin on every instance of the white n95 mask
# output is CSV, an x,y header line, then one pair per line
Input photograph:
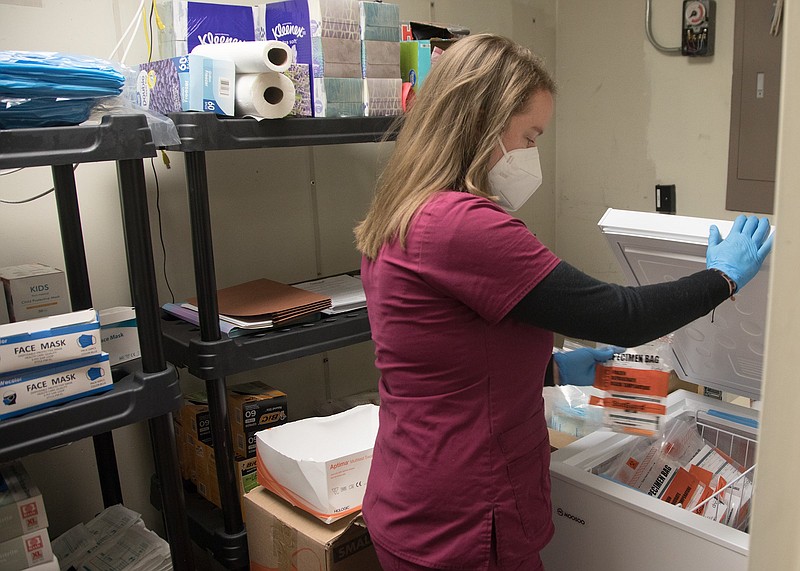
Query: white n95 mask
x,y
516,176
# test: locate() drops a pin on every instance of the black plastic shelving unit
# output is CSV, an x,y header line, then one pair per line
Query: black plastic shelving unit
x,y
147,390
203,350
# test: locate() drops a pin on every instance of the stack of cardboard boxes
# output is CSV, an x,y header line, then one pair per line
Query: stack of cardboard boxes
x,y
24,539
251,407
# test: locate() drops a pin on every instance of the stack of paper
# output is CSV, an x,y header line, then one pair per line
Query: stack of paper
x,y
257,305
264,303
346,292
115,540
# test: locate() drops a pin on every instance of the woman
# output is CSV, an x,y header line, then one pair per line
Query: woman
x,y
463,301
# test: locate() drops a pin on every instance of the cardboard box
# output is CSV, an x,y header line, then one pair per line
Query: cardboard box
x,y
284,538
25,551
208,481
196,418
32,389
48,340
252,407
187,83
34,290
21,505
415,61
320,464
119,335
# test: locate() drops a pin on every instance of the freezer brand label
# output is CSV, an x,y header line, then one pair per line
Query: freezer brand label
x,y
568,515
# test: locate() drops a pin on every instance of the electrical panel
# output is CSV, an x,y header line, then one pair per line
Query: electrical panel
x,y
699,18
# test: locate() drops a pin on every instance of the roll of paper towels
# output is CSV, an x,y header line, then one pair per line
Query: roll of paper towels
x,y
250,57
268,95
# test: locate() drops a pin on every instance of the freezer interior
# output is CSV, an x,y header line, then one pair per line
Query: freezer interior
x,y
602,524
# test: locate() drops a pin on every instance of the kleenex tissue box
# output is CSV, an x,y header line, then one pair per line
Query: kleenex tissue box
x,y
187,83
119,335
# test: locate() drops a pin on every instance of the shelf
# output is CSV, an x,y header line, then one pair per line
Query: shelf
x,y
209,132
135,397
116,137
214,359
207,528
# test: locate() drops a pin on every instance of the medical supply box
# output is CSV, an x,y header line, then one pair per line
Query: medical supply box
x,y
252,407
187,83
34,290
46,340
21,505
26,551
283,538
40,387
119,336
619,527
320,464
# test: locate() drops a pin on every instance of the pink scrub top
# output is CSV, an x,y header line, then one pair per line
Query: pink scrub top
x,y
462,443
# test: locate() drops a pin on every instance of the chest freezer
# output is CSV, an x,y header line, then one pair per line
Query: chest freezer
x,y
602,525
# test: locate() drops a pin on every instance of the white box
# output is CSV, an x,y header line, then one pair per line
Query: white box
x,y
26,551
21,504
119,336
34,290
320,464
39,342
31,389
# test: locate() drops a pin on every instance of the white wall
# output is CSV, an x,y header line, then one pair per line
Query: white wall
x,y
630,117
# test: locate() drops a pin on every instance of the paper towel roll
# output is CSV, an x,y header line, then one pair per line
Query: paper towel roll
x,y
269,95
250,57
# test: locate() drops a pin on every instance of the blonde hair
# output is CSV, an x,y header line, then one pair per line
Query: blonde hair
x,y
447,138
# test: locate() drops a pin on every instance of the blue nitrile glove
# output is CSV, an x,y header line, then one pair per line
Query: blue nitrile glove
x,y
741,253
576,367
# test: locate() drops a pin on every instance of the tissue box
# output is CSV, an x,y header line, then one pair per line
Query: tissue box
x,y
382,96
415,61
189,24
379,21
39,342
119,335
187,83
41,387
339,97
26,551
21,504
320,464
380,59
336,57
289,538
34,290
338,18
300,75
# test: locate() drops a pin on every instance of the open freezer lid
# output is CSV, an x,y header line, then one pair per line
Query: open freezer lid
x,y
726,354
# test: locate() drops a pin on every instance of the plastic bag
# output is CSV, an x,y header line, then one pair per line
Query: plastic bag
x,y
635,384
567,410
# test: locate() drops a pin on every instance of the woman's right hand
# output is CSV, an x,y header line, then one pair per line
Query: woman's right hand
x,y
741,253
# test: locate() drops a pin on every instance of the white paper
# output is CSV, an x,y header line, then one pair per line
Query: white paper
x,y
267,95
250,57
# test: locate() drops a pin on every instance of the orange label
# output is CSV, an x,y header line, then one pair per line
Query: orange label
x,y
635,381
628,405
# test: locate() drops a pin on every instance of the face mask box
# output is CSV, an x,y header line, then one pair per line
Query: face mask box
x,y
41,387
47,340
289,538
21,505
34,290
320,464
29,550
187,83
119,336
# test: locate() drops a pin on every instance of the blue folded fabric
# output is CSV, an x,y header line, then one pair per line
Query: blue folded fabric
x,y
53,74
44,112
